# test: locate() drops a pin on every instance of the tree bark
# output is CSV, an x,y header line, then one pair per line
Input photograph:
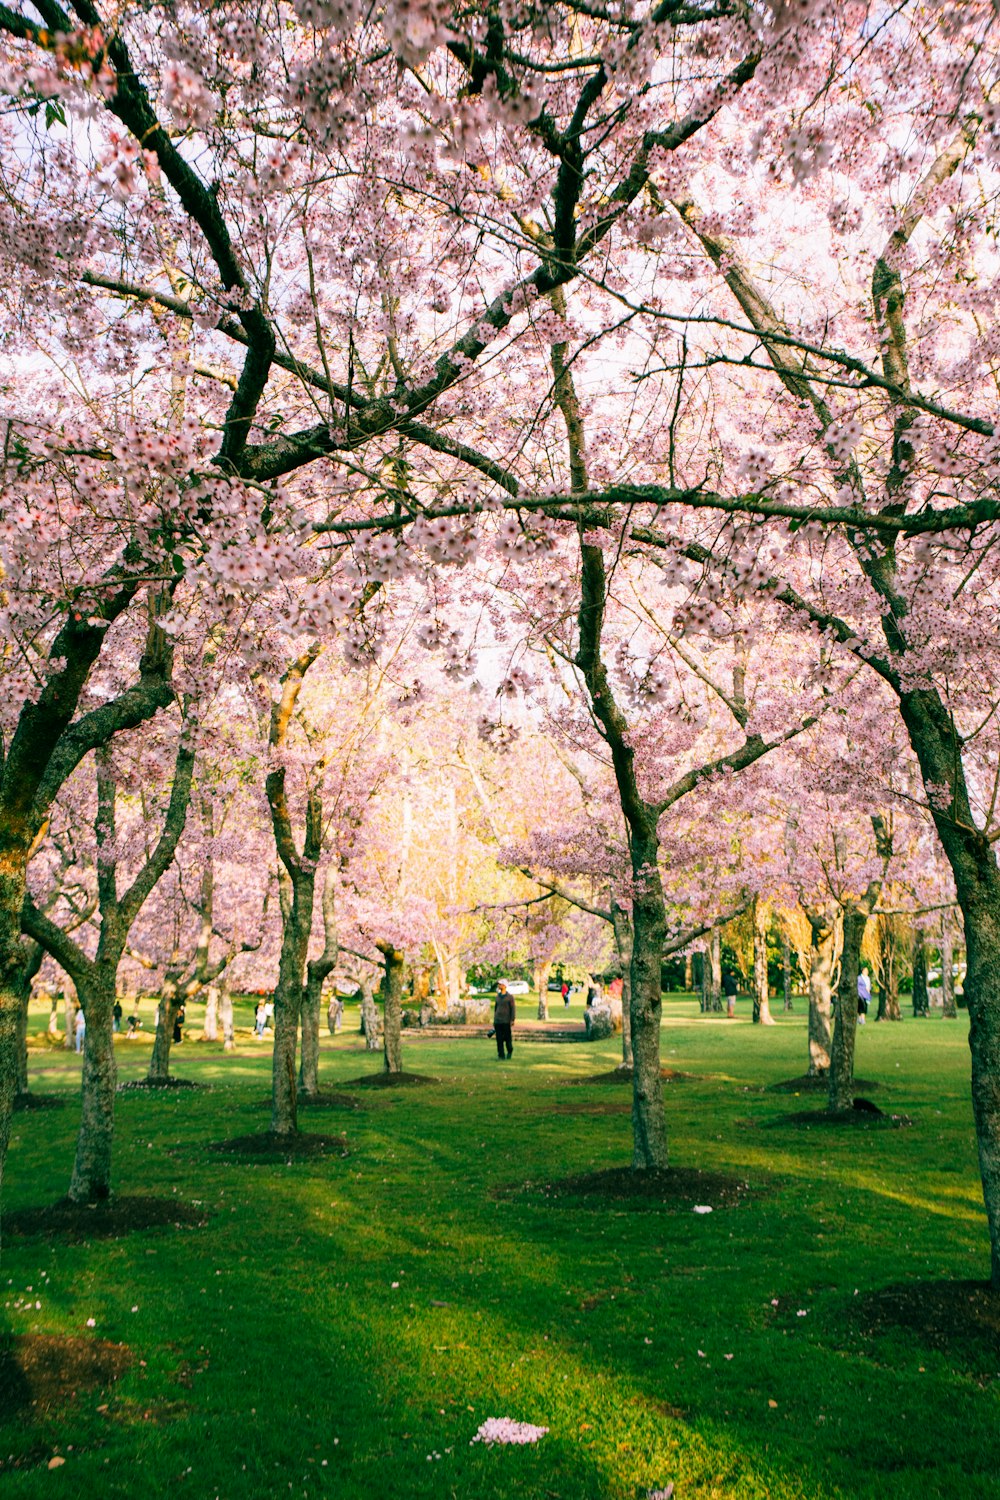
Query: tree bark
x,y
210,1030
369,1016
786,969
542,971
621,923
318,970
166,1015
715,970
921,1002
888,1000
226,1016
949,1010
761,991
825,934
845,1024
649,1131
392,1007
91,1177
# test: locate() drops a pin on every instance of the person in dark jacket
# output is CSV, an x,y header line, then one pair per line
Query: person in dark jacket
x,y
504,1015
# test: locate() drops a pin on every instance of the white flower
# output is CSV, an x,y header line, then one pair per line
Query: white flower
x,y
702,1208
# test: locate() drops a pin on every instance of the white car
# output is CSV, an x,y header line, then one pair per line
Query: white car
x,y
516,986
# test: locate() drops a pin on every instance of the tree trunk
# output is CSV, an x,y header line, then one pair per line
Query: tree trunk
x,y
166,1016
921,1003
392,1005
825,931
91,1179
949,1009
299,889
715,969
786,969
53,1016
688,972
761,992
705,999
210,1031
24,985
284,1097
369,1017
226,1016
845,1026
622,925
543,968
69,1017
649,926
888,1000
312,1002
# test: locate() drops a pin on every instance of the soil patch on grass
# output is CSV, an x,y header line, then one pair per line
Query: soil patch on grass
x,y
39,1372
673,1187
158,1085
819,1084
864,1116
958,1319
270,1145
390,1081
110,1219
28,1102
624,1075
592,1107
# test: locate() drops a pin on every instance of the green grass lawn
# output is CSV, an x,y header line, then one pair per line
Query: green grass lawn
x,y
341,1326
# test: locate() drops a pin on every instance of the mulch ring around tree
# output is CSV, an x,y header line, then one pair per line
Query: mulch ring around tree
x,y
156,1085
110,1219
624,1075
682,1188
39,1372
390,1081
28,1102
286,1146
864,1116
319,1101
816,1084
957,1319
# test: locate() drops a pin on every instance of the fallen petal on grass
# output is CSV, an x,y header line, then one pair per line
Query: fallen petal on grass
x,y
506,1430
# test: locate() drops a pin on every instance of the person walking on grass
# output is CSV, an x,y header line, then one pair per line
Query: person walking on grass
x,y
81,1028
504,1016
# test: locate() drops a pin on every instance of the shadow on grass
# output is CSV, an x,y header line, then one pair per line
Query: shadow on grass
x,y
26,1102
863,1116
110,1219
811,1083
957,1319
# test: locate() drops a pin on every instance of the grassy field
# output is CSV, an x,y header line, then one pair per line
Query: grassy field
x,y
342,1325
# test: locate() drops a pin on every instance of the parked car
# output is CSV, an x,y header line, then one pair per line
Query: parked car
x,y
516,986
